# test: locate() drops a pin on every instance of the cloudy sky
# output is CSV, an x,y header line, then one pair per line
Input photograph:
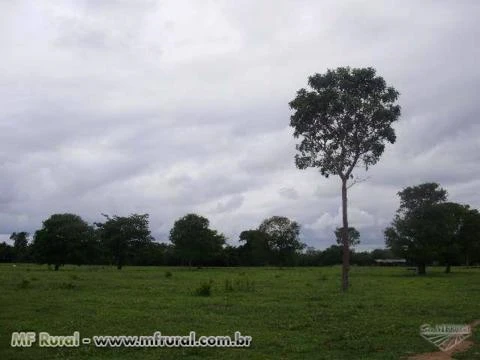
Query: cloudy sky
x,y
173,107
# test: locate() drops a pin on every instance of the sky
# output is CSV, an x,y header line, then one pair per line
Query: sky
x,y
174,107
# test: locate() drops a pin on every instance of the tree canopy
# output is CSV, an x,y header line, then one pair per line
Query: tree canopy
x,y
20,245
256,249
124,234
344,118
353,236
469,236
62,239
194,241
283,236
414,197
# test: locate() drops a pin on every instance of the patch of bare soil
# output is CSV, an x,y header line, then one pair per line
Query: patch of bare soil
x,y
446,355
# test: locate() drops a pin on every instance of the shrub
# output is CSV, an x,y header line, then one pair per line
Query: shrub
x,y
204,290
24,284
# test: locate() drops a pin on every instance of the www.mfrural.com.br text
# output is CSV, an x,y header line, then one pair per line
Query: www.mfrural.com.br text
x,y
45,339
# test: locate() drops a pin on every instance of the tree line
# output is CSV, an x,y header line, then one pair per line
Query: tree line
x,y
120,241
426,229
127,240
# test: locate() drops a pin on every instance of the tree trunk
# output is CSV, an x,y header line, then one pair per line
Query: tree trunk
x,y
448,269
120,261
346,247
421,269
56,267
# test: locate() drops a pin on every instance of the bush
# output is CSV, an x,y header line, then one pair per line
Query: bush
x,y
24,284
204,290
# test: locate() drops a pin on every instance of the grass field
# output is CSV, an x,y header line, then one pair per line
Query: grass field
x,y
293,313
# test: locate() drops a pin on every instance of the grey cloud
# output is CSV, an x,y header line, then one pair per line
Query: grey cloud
x,y
289,193
231,204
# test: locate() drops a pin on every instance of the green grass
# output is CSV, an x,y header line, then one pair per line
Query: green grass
x,y
296,313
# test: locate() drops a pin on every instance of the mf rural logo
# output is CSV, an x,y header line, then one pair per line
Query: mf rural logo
x,y
445,336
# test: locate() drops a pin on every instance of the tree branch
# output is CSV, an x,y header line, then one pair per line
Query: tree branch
x,y
357,181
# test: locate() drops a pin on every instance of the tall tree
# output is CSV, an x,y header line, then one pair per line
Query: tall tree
x,y
20,245
344,120
414,231
61,236
283,235
124,235
353,236
194,241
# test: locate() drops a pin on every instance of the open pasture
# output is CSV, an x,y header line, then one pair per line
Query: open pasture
x,y
291,313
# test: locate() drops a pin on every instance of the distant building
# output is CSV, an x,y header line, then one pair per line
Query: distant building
x,y
390,262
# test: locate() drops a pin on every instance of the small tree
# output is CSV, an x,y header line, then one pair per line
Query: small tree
x,y
283,235
20,245
331,256
60,237
353,236
344,120
450,222
415,231
6,252
469,236
194,242
123,235
256,249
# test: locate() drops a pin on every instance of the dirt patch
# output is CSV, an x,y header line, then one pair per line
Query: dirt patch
x,y
446,355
